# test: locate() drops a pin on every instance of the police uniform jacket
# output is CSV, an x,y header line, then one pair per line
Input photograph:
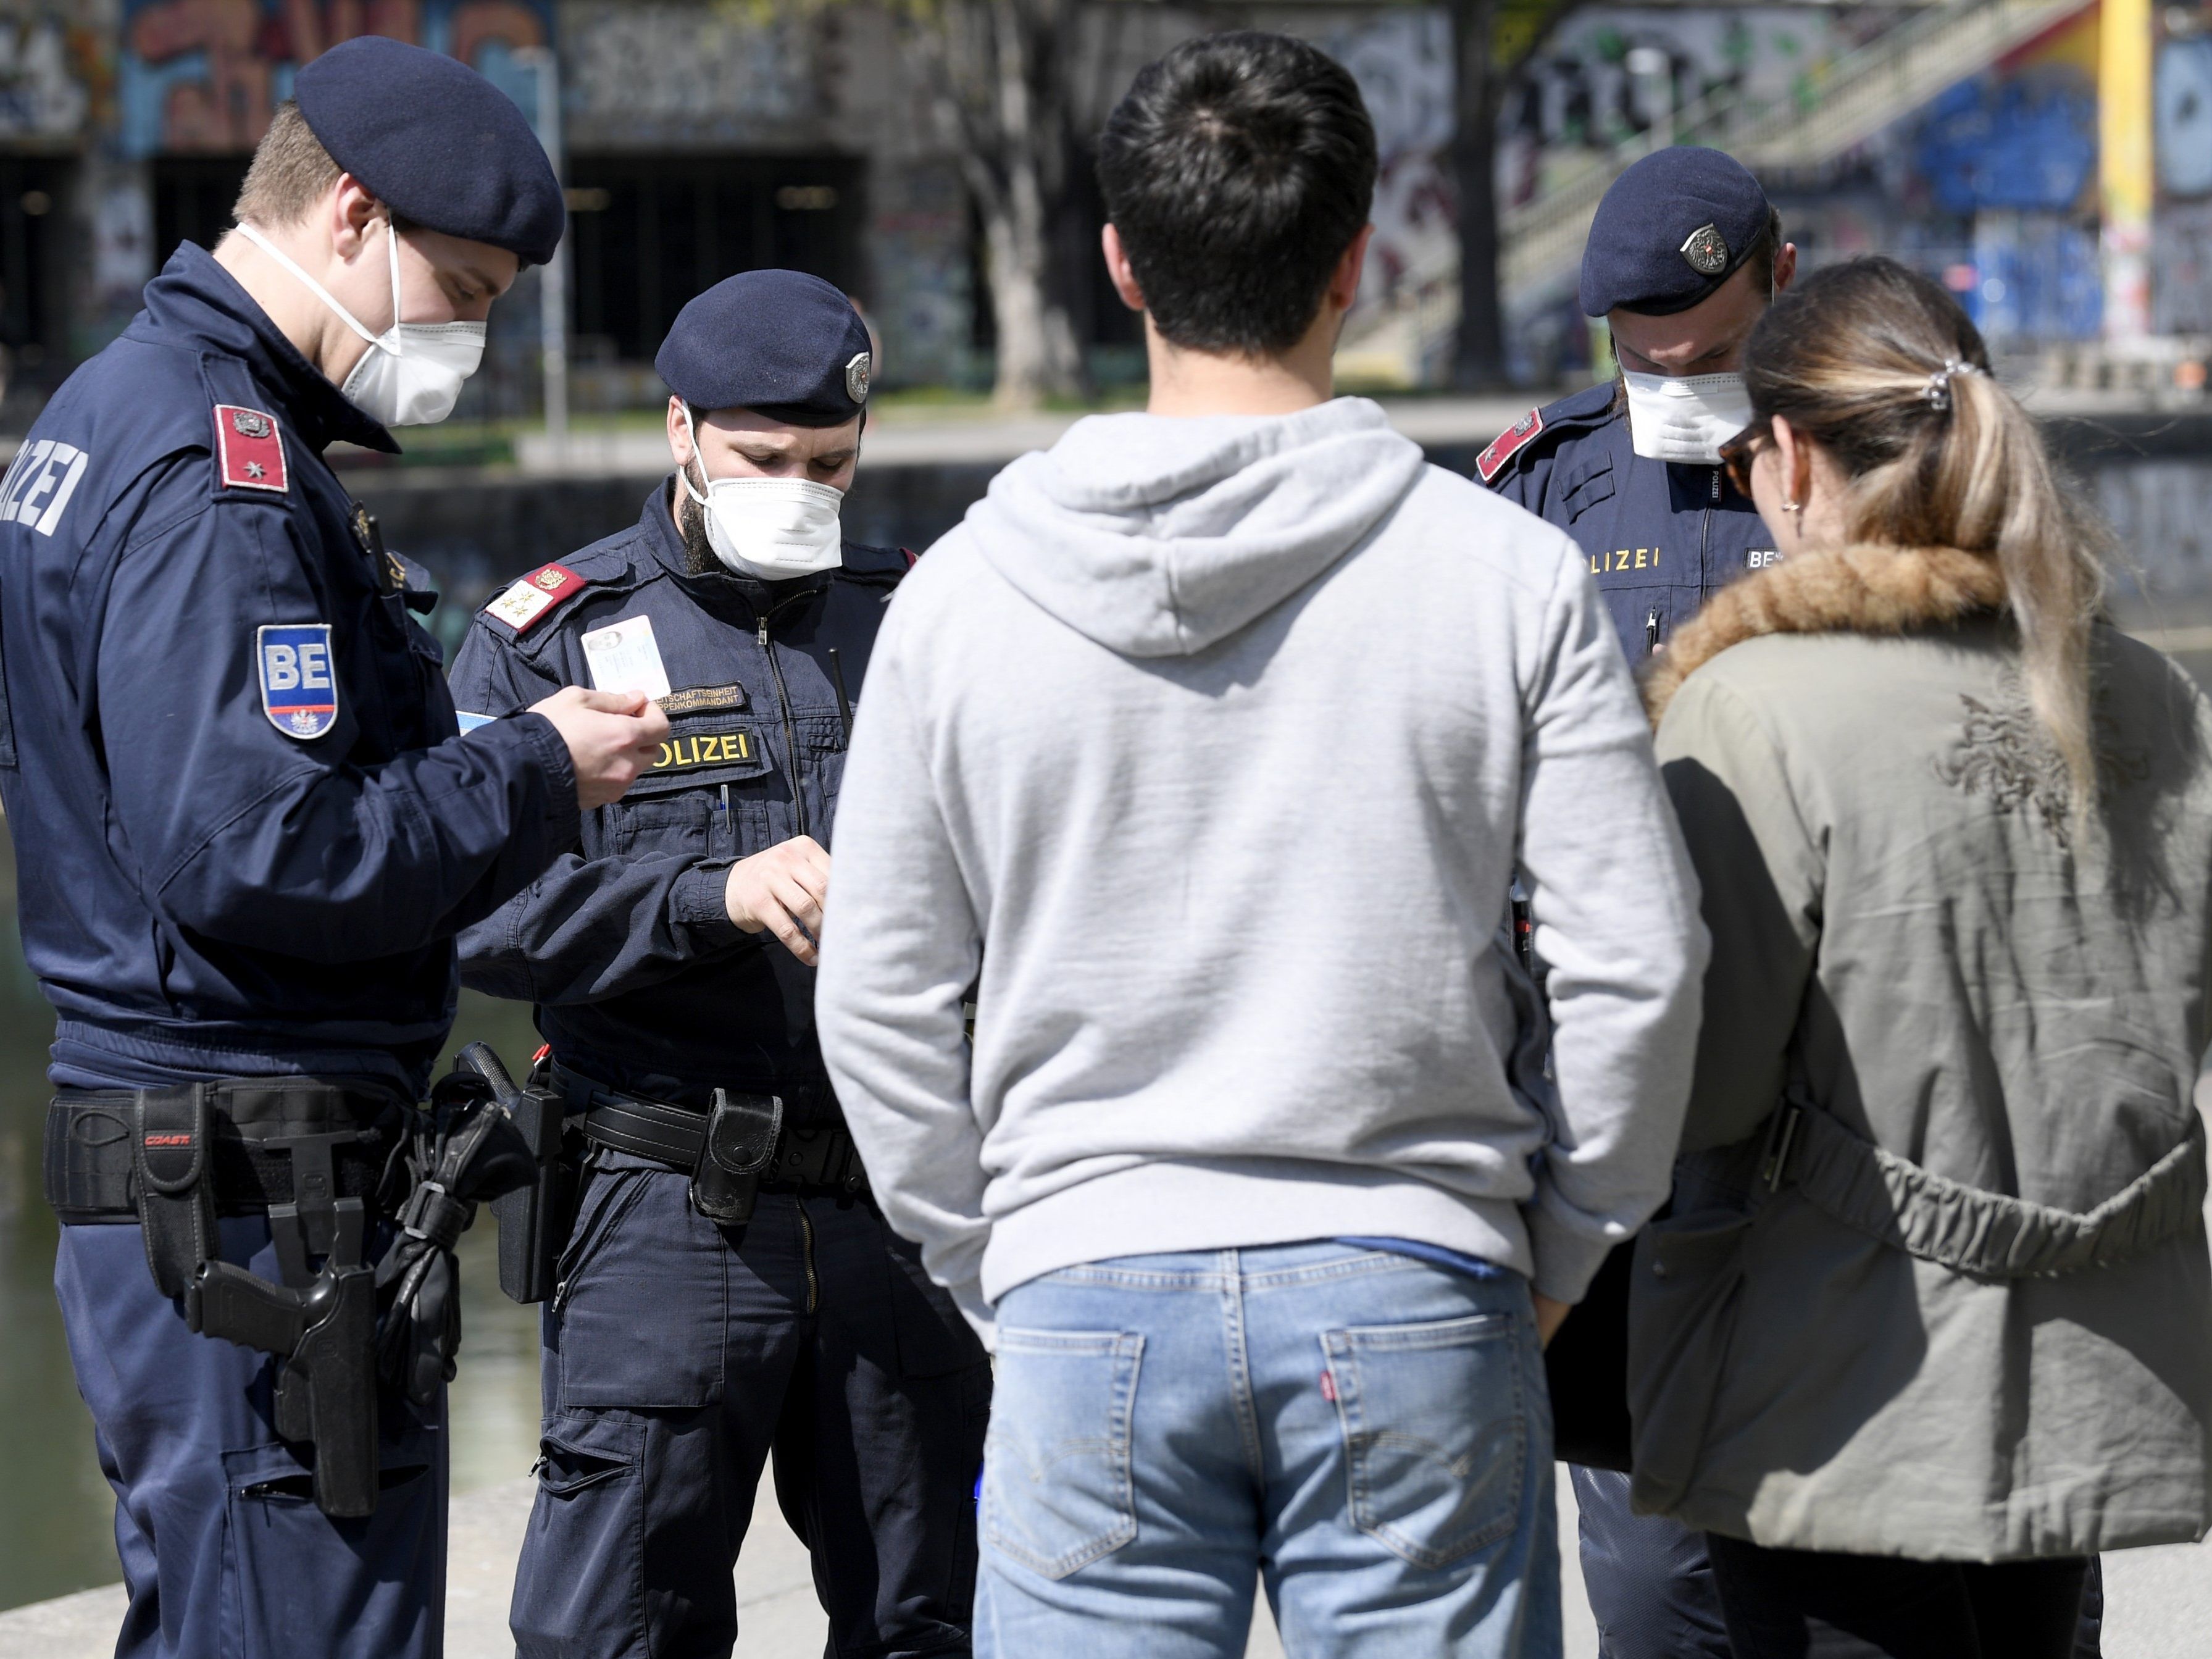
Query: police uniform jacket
x,y
247,827
625,943
1659,536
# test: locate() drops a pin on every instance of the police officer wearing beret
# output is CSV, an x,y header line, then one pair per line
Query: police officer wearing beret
x,y
727,1290
248,831
1685,254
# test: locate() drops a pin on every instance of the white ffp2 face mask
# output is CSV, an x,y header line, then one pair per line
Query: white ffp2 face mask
x,y
411,374
1685,418
771,529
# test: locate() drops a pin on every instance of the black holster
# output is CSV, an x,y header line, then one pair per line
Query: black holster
x,y
326,1396
534,1220
739,1143
172,1182
322,1324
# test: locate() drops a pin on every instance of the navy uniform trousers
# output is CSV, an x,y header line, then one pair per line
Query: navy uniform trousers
x,y
225,1555
678,1356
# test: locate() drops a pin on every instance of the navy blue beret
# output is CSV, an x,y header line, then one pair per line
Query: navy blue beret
x,y
438,143
780,342
1672,229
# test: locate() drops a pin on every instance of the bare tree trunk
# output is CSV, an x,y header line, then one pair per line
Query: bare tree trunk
x,y
1478,358
999,100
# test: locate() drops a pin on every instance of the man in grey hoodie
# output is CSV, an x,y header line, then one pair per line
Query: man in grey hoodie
x,y
1200,757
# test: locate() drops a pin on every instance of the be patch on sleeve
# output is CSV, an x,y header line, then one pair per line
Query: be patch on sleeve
x,y
1502,447
523,605
299,686
249,451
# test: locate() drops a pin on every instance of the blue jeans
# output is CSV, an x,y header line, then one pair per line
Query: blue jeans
x,y
1371,1432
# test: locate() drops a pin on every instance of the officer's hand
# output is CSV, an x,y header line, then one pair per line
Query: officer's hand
x,y
781,889
1550,1316
611,737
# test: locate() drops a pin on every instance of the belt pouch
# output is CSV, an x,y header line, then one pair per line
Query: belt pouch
x,y
534,1220
89,1157
738,1145
171,1162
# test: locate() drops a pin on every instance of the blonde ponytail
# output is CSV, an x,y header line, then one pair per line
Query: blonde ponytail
x,y
1881,367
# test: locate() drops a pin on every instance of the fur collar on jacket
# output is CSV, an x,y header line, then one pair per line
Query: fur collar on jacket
x,y
1854,590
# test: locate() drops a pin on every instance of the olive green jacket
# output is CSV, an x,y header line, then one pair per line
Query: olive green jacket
x,y
1952,1300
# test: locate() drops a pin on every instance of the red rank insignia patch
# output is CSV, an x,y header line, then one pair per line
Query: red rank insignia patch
x,y
249,451
523,604
1503,445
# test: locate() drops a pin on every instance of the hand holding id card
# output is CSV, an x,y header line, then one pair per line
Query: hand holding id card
x,y
624,656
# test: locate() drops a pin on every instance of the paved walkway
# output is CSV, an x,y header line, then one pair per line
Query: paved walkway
x,y
2160,1600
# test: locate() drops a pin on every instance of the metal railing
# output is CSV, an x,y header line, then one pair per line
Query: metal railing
x,y
1847,102
1842,103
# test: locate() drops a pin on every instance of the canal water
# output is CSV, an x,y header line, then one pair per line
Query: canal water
x,y
2155,482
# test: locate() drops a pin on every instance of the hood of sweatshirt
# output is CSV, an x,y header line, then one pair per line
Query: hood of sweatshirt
x,y
1158,536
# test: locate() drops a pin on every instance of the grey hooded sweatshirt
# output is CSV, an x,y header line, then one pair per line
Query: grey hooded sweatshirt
x,y
1201,756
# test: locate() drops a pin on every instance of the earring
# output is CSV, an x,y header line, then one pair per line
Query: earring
x,y
1793,507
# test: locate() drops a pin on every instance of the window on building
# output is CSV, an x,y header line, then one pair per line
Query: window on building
x,y
34,254
193,196
648,233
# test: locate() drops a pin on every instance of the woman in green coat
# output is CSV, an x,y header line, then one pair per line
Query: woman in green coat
x,y
1930,1322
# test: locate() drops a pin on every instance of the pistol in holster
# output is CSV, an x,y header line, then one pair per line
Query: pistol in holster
x,y
534,1220
322,1324
733,1154
326,1396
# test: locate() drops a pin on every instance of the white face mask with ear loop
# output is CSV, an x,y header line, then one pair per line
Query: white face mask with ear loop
x,y
412,374
771,529
1685,418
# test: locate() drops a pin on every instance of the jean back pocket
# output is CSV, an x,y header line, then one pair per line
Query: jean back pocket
x,y
1436,1432
1057,1494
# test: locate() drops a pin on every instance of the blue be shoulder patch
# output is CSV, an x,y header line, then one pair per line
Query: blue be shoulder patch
x,y
299,688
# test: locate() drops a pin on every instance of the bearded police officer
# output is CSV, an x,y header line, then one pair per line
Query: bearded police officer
x,y
727,1288
247,832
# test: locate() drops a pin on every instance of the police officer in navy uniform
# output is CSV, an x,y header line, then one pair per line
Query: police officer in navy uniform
x,y
727,1290
1685,255
248,833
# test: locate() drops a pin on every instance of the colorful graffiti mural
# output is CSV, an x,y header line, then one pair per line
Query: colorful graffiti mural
x,y
51,65
205,76
660,76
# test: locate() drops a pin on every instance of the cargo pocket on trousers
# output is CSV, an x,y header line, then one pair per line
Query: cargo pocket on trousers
x,y
297,1577
580,1586
1436,1432
644,1305
1056,1487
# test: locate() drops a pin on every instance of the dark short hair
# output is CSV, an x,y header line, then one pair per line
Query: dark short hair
x,y
1237,169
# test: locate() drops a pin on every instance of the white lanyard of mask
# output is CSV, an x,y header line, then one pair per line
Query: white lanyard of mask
x,y
772,529
1685,418
412,374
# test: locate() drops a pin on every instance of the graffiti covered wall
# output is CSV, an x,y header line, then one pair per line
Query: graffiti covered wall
x,y
203,76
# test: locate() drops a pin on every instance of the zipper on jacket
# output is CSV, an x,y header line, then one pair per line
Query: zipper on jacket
x,y
806,1249
790,736
1651,631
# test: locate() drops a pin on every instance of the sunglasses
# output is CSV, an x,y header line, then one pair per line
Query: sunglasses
x,y
1740,452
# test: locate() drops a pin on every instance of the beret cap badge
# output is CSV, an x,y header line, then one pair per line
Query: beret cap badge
x,y
856,376
1706,250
